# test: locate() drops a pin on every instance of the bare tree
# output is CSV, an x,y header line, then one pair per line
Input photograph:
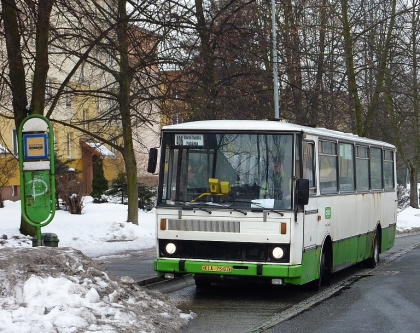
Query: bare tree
x,y
14,22
364,114
402,116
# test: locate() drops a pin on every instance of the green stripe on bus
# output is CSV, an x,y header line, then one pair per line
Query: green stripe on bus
x,y
346,252
291,274
388,237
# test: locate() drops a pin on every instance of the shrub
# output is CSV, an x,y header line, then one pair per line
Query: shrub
x,y
99,182
403,197
119,189
146,197
69,187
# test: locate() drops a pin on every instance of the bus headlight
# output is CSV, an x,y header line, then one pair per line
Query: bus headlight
x,y
170,248
277,252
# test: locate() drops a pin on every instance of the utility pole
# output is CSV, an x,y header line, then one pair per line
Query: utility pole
x,y
275,61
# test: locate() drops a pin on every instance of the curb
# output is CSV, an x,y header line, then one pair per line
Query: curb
x,y
165,285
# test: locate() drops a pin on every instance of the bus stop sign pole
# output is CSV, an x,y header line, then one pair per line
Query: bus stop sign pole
x,y
37,173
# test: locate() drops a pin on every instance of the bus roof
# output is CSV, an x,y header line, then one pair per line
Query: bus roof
x,y
268,126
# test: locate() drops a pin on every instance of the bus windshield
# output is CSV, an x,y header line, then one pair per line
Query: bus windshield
x,y
253,170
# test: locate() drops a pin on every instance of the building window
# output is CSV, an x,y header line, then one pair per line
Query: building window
x,y
110,61
69,145
84,117
48,89
112,147
14,191
15,142
177,118
68,98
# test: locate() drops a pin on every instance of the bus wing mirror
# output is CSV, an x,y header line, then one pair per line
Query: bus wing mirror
x,y
302,191
151,165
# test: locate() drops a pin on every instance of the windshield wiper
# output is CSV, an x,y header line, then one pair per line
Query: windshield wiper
x,y
269,209
187,205
226,206
260,207
203,209
237,210
192,205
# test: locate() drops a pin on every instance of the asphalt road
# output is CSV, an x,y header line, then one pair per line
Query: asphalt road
x,y
385,299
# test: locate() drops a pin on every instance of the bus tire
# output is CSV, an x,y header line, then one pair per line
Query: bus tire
x,y
326,265
373,261
324,278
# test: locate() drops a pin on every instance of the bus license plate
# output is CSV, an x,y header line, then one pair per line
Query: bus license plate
x,y
223,269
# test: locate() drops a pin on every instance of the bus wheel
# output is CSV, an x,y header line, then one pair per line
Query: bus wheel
x,y
325,270
324,278
373,261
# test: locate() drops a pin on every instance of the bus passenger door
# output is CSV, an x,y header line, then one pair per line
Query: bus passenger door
x,y
311,209
310,224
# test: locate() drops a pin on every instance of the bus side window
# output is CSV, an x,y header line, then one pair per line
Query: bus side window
x,y
388,170
309,165
346,167
328,166
376,168
362,168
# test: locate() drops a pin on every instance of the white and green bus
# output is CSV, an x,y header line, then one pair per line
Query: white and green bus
x,y
270,201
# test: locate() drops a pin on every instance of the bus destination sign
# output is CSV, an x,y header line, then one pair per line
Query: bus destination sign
x,y
189,139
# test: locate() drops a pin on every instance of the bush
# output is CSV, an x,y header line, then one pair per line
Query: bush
x,y
146,197
99,182
403,197
102,199
69,188
119,192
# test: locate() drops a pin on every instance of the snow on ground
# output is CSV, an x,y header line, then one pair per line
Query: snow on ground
x,y
62,290
408,220
100,230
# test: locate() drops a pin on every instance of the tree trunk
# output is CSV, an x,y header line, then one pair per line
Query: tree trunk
x,y
14,56
41,64
371,113
207,57
125,81
132,186
293,66
16,68
351,72
414,195
320,67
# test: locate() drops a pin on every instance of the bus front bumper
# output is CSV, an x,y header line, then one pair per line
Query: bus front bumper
x,y
289,274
